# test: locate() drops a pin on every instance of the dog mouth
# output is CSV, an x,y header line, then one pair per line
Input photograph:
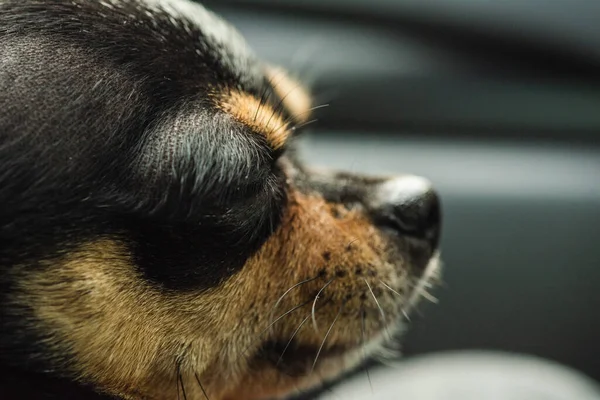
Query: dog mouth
x,y
300,364
297,359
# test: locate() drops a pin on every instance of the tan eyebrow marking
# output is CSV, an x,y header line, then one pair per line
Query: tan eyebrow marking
x,y
294,95
259,116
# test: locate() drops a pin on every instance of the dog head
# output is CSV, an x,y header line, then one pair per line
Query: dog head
x,y
158,234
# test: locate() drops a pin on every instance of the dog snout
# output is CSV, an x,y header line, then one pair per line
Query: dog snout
x,y
409,206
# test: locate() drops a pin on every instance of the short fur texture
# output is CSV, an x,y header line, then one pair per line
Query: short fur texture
x,y
159,239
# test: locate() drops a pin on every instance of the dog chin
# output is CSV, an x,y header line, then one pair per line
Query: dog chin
x,y
302,374
384,345
298,376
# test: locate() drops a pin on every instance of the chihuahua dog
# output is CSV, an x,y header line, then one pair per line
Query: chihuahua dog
x,y
159,237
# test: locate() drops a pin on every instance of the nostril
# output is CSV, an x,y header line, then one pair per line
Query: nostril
x,y
409,206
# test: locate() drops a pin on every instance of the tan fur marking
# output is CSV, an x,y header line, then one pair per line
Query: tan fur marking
x,y
260,117
126,336
295,97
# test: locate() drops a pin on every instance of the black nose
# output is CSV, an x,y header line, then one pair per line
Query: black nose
x,y
409,206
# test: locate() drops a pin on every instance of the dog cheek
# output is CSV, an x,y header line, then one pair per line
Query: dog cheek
x,y
116,332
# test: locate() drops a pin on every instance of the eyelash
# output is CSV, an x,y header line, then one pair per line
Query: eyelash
x,y
299,129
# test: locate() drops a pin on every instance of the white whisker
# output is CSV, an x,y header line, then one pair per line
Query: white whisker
x,y
314,318
429,297
376,301
292,338
286,293
325,338
392,290
403,311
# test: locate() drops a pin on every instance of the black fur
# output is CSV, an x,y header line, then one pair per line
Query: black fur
x,y
105,126
106,130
